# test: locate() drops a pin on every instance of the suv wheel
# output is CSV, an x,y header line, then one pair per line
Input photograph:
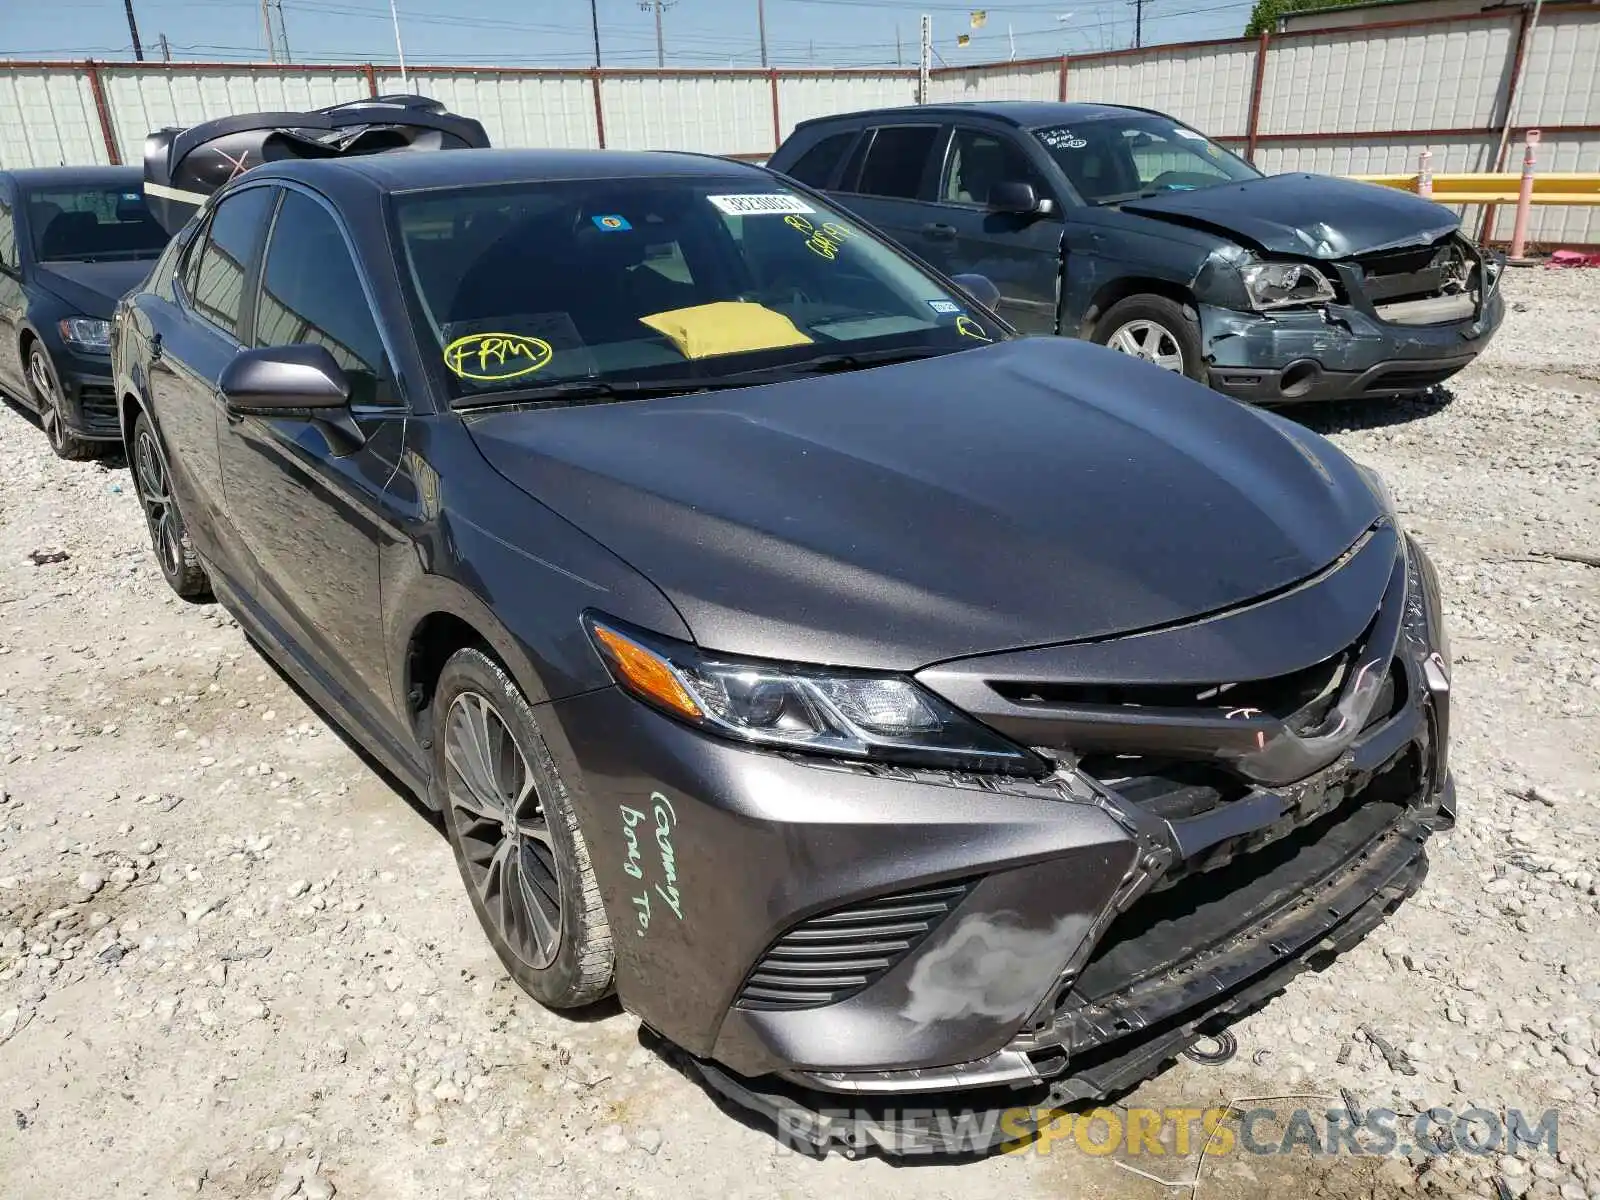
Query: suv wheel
x,y
515,835
1157,330
169,536
47,395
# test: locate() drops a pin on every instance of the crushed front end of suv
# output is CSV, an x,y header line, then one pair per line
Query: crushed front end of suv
x,y
889,708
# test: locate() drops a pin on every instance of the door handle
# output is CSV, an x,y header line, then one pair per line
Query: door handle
x,y
939,230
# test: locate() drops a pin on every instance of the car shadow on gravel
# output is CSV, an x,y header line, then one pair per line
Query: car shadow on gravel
x,y
1352,416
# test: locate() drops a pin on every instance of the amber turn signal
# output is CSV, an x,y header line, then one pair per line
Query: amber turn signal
x,y
645,672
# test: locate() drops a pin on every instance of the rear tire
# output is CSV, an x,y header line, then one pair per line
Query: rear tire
x,y
46,390
169,536
515,835
1157,330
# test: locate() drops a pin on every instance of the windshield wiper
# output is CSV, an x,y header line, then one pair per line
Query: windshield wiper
x,y
827,363
591,391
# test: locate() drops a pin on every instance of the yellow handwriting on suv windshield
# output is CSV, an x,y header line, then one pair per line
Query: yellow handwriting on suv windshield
x,y
491,357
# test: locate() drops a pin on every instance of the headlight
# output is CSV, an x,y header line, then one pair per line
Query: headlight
x,y
1279,285
86,333
851,714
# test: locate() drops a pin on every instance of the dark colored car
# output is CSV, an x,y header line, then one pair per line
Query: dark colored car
x,y
883,704
72,241
1128,228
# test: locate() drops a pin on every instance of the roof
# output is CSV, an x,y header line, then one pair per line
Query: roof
x,y
1025,114
35,177
466,168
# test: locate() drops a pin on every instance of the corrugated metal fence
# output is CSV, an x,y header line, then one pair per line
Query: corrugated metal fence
x,y
1363,100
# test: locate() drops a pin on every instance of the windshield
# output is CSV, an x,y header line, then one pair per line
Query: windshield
x,y
1128,155
660,280
92,224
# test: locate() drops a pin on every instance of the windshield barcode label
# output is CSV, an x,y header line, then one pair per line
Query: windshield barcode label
x,y
778,203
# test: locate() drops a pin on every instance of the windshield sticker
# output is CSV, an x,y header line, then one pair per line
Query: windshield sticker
x,y
761,204
499,349
944,307
823,240
1190,134
1060,138
611,223
967,327
495,357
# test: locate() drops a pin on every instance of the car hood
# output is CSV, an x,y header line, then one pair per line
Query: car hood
x,y
93,288
1027,493
1316,216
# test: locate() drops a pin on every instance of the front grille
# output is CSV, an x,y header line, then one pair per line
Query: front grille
x,y
1415,273
1303,694
833,956
97,407
1169,789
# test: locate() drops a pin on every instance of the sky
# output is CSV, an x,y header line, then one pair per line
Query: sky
x,y
557,33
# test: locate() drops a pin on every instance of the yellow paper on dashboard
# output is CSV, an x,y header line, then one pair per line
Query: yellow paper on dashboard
x,y
726,327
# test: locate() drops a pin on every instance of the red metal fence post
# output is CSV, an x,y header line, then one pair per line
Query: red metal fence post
x,y
1254,123
1061,81
372,80
599,108
777,120
1498,163
107,132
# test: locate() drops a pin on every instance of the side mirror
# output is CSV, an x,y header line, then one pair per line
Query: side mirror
x,y
275,378
284,380
1014,196
981,288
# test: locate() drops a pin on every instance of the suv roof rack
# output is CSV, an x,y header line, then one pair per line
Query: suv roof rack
x,y
183,167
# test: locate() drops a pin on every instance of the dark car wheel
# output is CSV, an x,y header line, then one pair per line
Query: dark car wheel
x,y
47,395
516,838
169,537
1157,330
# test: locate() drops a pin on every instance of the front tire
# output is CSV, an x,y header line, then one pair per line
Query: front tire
x,y
515,835
46,390
1157,330
169,536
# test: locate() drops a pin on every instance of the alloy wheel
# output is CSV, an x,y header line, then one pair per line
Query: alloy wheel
x,y
501,827
1152,342
44,385
155,495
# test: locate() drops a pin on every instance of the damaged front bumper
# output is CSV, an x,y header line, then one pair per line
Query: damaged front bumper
x,y
1347,350
821,935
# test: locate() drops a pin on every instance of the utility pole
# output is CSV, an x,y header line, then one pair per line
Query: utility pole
x,y
166,51
399,49
1138,23
898,60
133,28
284,30
266,29
925,59
659,6
594,24
761,24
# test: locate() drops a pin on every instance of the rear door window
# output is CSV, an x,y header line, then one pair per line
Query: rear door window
x,y
897,160
817,165
220,269
8,237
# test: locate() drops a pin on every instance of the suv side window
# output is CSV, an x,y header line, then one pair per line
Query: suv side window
x,y
896,160
8,235
980,159
216,283
816,166
311,294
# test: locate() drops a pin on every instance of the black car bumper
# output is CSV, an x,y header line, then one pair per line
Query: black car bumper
x,y
822,933
1341,353
88,396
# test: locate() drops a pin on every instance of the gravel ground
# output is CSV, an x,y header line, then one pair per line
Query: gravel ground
x,y
235,962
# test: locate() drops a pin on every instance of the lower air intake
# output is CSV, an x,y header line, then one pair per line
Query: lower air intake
x,y
833,956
